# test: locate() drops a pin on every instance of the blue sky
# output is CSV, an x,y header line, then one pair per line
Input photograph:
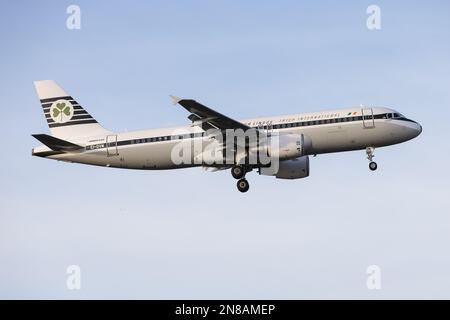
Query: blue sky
x,y
188,233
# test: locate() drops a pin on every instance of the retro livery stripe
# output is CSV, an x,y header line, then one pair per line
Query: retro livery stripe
x,y
80,115
154,139
71,123
56,98
48,105
75,108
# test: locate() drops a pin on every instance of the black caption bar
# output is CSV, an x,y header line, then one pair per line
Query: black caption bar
x,y
223,309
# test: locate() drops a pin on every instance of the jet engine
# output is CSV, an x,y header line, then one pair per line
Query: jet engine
x,y
289,146
289,169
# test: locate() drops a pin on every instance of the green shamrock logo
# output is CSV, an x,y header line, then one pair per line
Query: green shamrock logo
x,y
60,110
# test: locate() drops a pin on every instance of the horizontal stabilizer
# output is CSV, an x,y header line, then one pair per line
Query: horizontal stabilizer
x,y
56,144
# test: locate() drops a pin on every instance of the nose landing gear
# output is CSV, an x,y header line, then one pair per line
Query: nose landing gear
x,y
370,155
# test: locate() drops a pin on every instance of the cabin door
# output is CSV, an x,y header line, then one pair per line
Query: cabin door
x,y
111,146
367,118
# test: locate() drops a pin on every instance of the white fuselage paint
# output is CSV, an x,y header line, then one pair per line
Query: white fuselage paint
x,y
324,138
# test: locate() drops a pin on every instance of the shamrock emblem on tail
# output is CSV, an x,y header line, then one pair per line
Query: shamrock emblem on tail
x,y
61,111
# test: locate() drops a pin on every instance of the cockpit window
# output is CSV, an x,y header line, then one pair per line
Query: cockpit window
x,y
389,115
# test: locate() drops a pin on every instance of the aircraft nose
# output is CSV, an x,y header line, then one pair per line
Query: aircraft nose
x,y
419,128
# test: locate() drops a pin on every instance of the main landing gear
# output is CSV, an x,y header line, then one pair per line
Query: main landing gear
x,y
238,172
243,185
370,155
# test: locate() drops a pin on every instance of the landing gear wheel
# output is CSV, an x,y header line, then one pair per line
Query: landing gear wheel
x,y
238,172
243,185
370,155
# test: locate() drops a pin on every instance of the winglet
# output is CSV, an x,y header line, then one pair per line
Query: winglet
x,y
175,99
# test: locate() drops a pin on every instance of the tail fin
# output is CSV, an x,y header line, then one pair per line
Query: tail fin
x,y
65,117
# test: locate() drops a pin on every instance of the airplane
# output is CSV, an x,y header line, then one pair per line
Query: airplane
x,y
77,137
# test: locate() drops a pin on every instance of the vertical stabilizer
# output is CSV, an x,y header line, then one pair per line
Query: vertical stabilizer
x,y
65,117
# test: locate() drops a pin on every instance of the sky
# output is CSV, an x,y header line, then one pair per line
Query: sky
x,y
189,234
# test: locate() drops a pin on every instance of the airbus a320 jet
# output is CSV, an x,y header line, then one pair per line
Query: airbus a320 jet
x,y
77,137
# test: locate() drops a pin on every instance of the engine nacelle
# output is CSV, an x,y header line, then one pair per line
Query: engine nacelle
x,y
290,169
290,146
294,168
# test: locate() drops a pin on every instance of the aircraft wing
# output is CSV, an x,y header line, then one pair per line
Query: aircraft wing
x,y
208,117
